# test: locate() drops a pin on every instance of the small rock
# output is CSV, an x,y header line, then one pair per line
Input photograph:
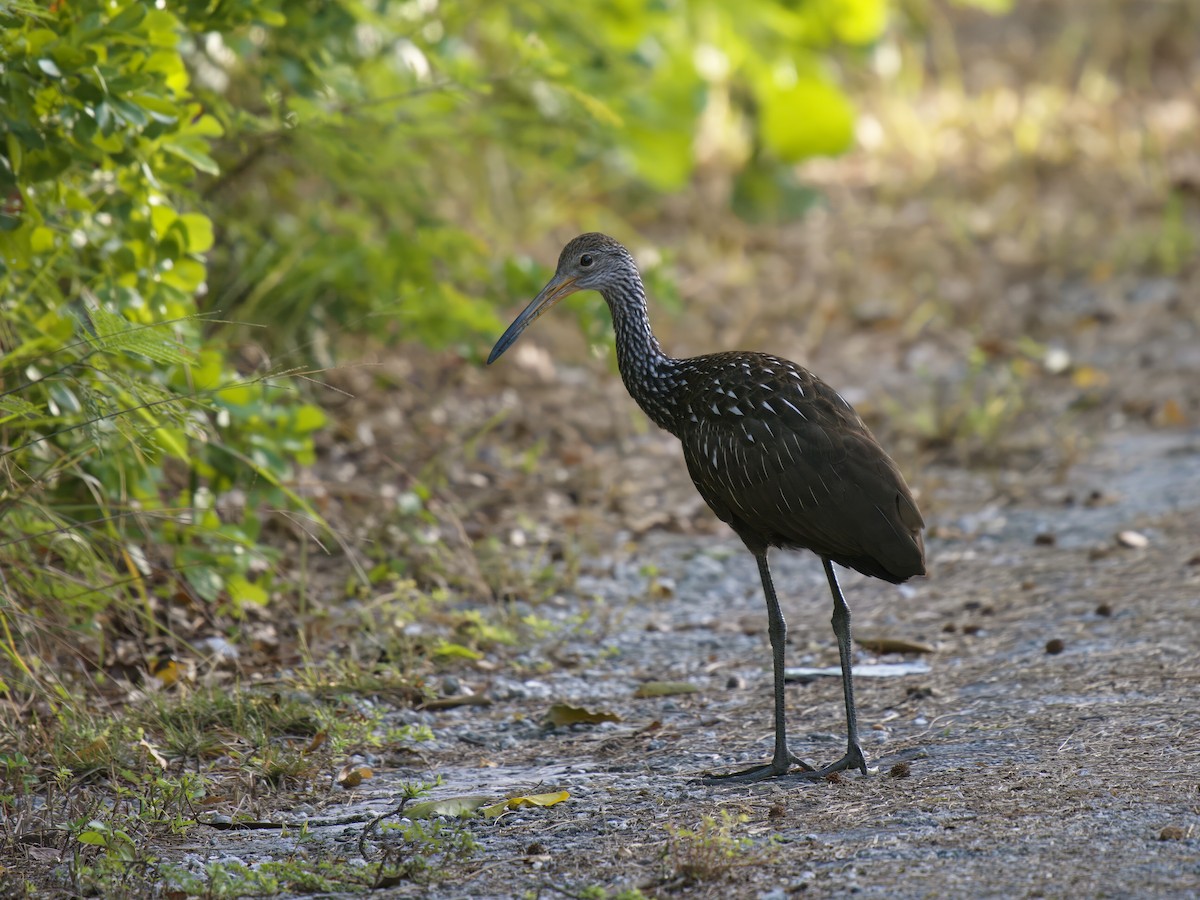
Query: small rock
x,y
1135,540
1055,646
972,629
1044,539
1104,609
451,686
735,683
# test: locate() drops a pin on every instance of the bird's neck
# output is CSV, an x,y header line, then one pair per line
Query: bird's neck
x,y
650,375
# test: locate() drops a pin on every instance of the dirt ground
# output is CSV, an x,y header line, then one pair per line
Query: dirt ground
x,y
1004,279
1032,773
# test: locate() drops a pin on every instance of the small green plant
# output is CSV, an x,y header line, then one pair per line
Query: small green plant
x,y
708,851
971,414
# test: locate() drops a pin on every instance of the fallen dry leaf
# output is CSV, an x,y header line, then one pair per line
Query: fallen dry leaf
x,y
565,714
154,754
894,645
665,689
498,809
351,775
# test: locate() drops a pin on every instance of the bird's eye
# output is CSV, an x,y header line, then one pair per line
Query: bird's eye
x,y
585,260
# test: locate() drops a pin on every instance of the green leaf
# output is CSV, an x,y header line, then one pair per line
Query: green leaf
x,y
172,441
41,240
309,418
771,192
94,838
193,151
17,406
199,228
185,274
112,332
450,807
161,218
447,650
809,118
243,592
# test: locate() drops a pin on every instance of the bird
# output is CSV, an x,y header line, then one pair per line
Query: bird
x,y
776,453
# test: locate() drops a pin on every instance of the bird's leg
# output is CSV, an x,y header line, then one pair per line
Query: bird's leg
x,y
783,760
854,758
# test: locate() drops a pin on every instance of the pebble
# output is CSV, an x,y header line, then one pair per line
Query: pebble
x,y
1135,540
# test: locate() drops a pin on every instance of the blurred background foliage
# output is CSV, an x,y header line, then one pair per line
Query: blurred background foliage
x,y
181,182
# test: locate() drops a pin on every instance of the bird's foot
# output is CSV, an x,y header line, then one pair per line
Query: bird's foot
x,y
774,769
854,759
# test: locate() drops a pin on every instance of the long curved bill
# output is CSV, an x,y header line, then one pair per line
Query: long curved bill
x,y
558,287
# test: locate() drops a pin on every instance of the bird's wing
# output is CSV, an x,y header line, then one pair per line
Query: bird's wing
x,y
782,458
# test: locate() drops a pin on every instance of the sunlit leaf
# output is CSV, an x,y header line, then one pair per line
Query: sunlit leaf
x,y
808,118
199,229
448,650
194,152
534,800
243,592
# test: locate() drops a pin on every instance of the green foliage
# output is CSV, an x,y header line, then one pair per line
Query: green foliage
x,y
709,851
121,429
380,161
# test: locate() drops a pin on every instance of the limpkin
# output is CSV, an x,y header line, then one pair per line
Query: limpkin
x,y
774,451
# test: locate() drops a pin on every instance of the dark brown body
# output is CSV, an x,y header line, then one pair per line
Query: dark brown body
x,y
786,462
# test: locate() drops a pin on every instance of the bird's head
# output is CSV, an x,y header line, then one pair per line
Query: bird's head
x,y
590,262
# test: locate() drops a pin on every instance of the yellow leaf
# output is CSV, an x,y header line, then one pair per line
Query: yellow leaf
x,y
1085,377
539,800
1172,414
351,775
168,672
565,714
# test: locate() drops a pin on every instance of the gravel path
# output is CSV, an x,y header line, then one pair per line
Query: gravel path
x,y
1052,742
